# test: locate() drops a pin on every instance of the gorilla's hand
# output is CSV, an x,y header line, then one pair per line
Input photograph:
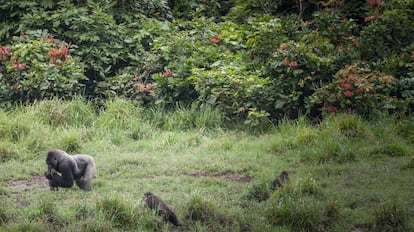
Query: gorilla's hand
x,y
50,173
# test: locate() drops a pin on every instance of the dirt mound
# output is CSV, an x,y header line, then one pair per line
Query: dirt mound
x,y
223,175
37,180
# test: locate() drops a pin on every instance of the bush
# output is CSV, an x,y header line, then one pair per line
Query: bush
x,y
356,89
231,88
38,67
388,34
298,69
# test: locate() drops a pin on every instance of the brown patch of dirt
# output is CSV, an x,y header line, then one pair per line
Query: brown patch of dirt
x,y
37,180
223,175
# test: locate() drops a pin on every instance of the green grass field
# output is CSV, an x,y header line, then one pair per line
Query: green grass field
x,y
346,173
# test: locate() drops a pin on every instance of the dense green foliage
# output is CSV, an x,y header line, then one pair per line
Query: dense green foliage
x,y
252,59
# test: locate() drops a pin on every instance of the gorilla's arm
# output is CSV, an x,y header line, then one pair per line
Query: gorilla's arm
x,y
66,179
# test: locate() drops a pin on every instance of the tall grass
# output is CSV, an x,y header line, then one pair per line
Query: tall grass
x,y
343,171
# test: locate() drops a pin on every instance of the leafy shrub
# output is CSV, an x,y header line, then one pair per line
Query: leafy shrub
x,y
34,68
106,47
269,33
127,85
188,9
336,27
231,88
388,34
298,69
357,89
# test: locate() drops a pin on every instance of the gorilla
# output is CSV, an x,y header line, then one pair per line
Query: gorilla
x,y
280,180
154,202
63,170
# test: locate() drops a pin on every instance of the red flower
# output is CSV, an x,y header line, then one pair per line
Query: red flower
x,y
348,93
149,86
213,40
370,18
168,73
4,53
356,42
217,36
17,66
49,38
331,109
58,55
359,90
352,78
372,3
293,64
345,86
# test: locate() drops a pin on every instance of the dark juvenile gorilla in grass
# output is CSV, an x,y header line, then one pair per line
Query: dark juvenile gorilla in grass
x,y
154,202
64,169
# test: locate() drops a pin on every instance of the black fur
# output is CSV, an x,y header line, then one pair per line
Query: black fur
x,y
63,170
280,180
156,203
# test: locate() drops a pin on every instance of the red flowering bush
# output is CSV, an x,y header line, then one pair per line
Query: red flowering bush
x,y
299,68
37,67
357,89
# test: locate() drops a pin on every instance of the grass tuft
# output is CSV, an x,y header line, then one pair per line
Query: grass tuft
x,y
117,211
8,151
47,213
200,209
58,112
258,192
346,125
301,207
390,217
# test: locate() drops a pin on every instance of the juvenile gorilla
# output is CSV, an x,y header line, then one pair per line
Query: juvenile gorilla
x,y
63,170
154,202
280,180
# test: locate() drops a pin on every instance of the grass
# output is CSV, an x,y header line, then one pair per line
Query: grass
x,y
345,172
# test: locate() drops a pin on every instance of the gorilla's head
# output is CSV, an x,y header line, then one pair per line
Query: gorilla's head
x,y
52,160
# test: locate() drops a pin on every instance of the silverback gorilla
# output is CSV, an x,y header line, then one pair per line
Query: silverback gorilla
x,y
63,170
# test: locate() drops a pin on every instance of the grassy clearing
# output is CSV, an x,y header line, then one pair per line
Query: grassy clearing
x,y
345,172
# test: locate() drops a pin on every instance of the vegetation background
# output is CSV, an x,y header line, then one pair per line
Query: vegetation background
x,y
204,103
